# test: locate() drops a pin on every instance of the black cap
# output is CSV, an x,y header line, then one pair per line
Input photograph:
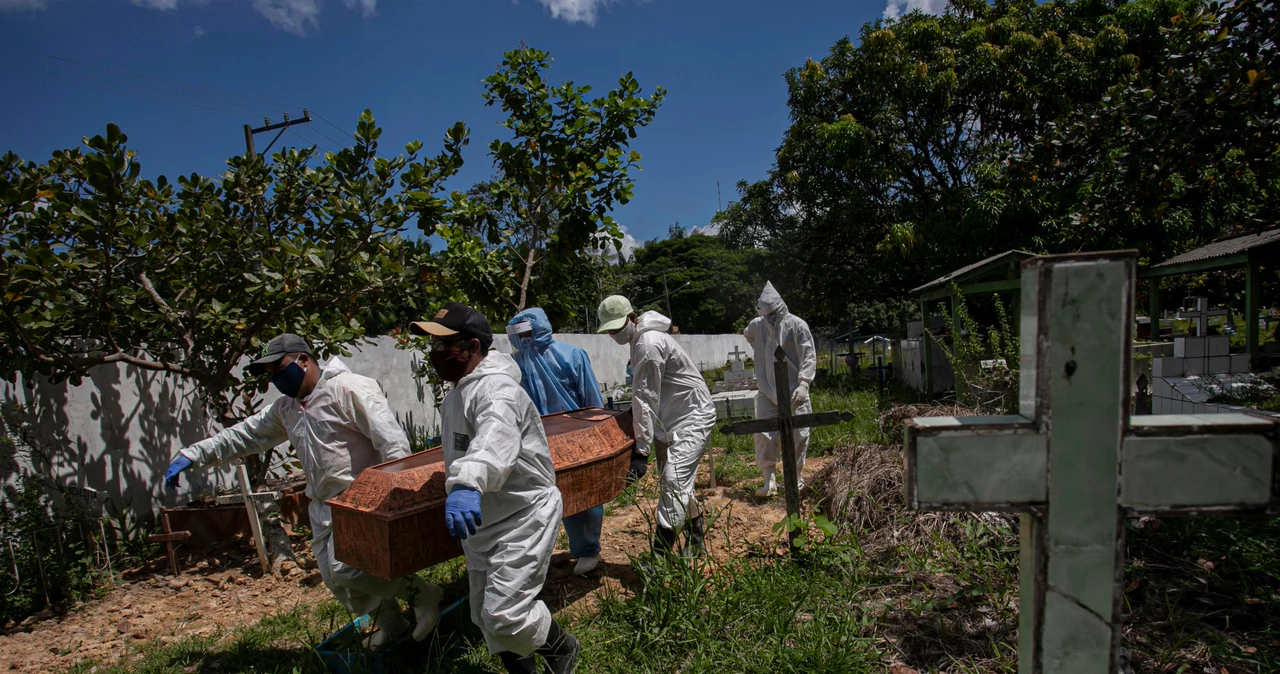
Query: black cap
x,y
456,320
277,348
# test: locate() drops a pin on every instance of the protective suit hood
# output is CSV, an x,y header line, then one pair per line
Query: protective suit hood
x,y
557,376
537,320
771,302
650,321
494,363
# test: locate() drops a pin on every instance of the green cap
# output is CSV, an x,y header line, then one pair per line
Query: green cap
x,y
613,313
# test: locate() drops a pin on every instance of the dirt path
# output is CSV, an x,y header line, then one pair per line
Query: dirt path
x,y
738,521
225,590
218,593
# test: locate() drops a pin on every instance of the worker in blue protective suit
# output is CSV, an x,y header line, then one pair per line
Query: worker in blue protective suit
x,y
558,377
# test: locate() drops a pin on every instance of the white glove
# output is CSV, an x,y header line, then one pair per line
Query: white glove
x,y
800,396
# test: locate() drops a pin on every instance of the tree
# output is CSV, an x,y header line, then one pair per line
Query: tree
x,y
713,288
566,165
1181,152
102,266
893,169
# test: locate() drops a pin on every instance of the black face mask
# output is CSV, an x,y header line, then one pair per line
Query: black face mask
x,y
451,365
288,381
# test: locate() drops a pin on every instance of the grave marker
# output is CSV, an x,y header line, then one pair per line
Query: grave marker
x,y
1076,465
785,424
1201,315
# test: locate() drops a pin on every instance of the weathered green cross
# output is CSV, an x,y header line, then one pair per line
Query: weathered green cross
x,y
1075,464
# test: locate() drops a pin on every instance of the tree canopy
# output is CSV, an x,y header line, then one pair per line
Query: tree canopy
x,y
102,266
936,141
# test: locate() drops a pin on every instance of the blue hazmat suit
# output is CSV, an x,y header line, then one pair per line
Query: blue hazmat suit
x,y
558,378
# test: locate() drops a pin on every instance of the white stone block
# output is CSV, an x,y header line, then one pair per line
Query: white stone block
x,y
1161,389
1219,345
1219,364
1189,347
1194,366
1166,367
1239,363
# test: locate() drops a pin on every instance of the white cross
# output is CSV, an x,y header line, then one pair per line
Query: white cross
x,y
737,353
1201,315
1075,464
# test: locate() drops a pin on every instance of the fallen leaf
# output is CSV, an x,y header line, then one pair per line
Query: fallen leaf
x,y
1250,650
901,669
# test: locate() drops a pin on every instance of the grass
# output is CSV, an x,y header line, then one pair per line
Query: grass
x,y
1202,594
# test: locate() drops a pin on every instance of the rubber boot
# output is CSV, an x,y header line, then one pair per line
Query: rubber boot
x,y
561,650
518,665
663,540
770,486
391,626
695,538
426,607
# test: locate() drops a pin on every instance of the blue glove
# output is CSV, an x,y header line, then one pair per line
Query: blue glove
x,y
179,464
462,511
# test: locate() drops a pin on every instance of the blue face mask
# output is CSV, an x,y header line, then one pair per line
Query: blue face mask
x,y
289,380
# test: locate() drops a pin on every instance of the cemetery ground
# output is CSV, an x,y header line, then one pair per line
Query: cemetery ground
x,y
889,590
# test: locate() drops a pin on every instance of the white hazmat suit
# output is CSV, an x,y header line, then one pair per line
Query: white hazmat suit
x,y
775,327
341,428
494,443
670,404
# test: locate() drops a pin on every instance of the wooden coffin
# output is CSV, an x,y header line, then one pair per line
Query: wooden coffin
x,y
390,521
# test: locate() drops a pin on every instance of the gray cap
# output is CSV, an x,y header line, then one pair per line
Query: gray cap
x,y
278,348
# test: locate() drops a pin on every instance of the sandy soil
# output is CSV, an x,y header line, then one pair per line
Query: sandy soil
x,y
224,589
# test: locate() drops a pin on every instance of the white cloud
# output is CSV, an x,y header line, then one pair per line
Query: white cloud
x,y
629,246
367,7
710,229
156,4
575,11
20,5
894,9
199,32
291,16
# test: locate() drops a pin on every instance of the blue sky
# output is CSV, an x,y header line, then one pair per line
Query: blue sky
x,y
418,65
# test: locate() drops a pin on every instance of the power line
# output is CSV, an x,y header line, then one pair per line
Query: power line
x,y
124,91
140,86
340,129
326,137
145,77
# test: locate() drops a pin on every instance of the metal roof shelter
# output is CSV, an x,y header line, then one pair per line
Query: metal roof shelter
x,y
1248,251
995,274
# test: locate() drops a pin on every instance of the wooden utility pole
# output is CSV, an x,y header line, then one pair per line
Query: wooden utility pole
x,y
249,131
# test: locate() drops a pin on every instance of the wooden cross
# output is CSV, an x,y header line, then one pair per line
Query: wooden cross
x,y
169,537
785,424
1075,464
1201,315
251,509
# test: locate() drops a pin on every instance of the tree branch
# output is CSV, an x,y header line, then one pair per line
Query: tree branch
x,y
168,312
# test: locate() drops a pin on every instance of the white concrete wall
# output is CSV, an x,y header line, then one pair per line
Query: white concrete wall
x,y
118,429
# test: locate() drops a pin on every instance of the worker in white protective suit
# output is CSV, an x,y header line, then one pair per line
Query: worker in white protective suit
x,y
774,327
339,424
502,497
672,412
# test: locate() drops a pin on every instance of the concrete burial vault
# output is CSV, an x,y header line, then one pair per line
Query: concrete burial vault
x,y
390,521
1075,464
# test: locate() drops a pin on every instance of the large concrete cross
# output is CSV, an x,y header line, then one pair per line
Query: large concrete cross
x,y
1075,464
1200,315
